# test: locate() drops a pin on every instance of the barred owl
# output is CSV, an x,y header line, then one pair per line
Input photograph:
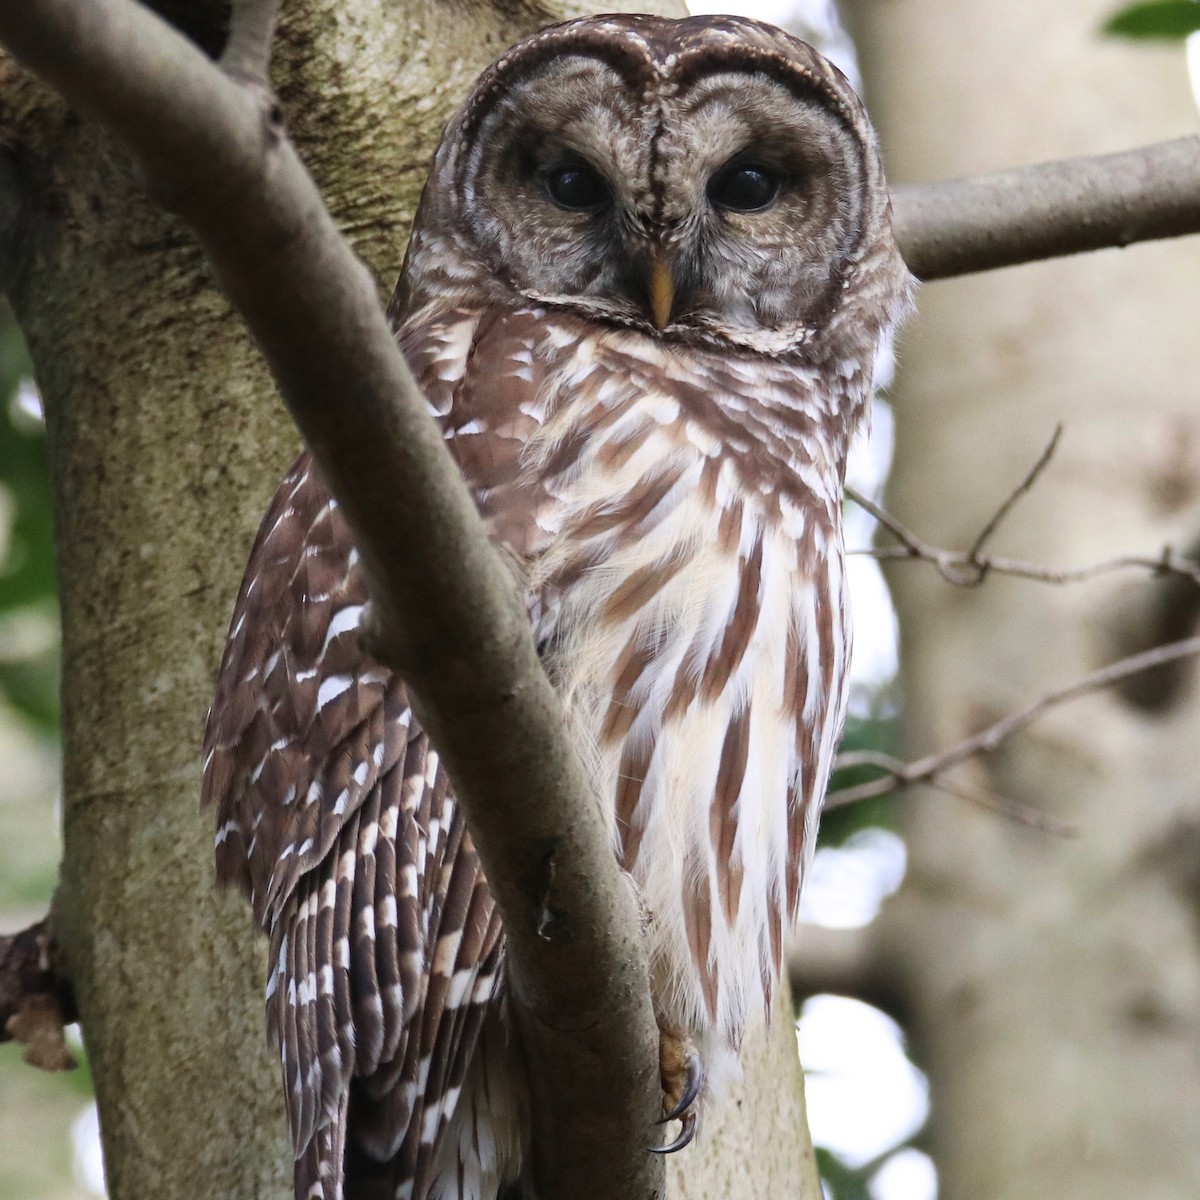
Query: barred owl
x,y
647,279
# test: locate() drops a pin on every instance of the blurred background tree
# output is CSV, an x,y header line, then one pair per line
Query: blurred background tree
x,y
39,1113
1052,985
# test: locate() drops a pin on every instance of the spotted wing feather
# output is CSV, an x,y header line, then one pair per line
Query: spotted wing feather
x,y
336,817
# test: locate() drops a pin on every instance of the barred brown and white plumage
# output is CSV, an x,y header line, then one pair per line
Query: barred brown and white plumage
x,y
647,281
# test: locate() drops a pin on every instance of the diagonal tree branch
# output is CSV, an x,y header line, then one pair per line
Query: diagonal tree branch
x,y
446,615
965,225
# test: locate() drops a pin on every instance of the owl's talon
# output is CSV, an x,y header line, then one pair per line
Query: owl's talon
x,y
686,1134
682,1082
693,1081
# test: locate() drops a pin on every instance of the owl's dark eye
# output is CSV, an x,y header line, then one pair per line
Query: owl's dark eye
x,y
743,187
577,187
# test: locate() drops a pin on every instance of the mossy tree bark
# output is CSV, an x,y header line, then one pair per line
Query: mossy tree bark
x,y
166,440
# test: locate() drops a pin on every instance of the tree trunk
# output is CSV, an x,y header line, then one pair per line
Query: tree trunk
x,y
1055,983
166,441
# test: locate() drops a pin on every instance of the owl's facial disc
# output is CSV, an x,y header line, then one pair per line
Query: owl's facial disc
x,y
724,205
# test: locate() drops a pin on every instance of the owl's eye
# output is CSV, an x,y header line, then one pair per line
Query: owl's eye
x,y
577,187
743,187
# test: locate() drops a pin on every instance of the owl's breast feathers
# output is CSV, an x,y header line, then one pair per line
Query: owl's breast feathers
x,y
675,524
675,519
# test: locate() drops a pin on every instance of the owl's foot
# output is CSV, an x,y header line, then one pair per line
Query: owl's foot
x,y
682,1078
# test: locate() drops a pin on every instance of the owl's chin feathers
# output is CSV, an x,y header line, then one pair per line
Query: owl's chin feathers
x,y
698,328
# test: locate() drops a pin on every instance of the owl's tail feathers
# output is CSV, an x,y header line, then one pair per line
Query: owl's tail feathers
x,y
368,1178
336,997
318,1171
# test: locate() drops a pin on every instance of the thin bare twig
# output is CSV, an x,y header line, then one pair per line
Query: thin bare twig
x,y
1009,502
1153,617
953,565
931,769
894,779
969,568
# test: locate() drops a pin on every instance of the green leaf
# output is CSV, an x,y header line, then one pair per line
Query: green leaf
x,y
842,1182
1171,19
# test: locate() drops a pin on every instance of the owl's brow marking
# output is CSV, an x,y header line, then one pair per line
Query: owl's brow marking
x,y
634,69
658,191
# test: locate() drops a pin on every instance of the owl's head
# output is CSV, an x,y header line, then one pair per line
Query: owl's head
x,y
704,180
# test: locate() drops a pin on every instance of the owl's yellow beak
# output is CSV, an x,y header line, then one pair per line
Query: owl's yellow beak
x,y
662,290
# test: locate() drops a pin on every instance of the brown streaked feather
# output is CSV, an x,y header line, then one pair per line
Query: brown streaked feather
x,y
615,452
729,531
723,821
451,1031
634,592
487,421
823,612
628,510
364,980
698,916
739,631
640,654
635,762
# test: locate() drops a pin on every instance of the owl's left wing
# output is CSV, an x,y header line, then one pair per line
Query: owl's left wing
x,y
336,816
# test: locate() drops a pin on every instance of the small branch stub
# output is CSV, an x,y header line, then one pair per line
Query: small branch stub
x,y
35,1001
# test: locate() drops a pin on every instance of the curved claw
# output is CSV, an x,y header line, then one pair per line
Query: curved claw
x,y
686,1134
693,1081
